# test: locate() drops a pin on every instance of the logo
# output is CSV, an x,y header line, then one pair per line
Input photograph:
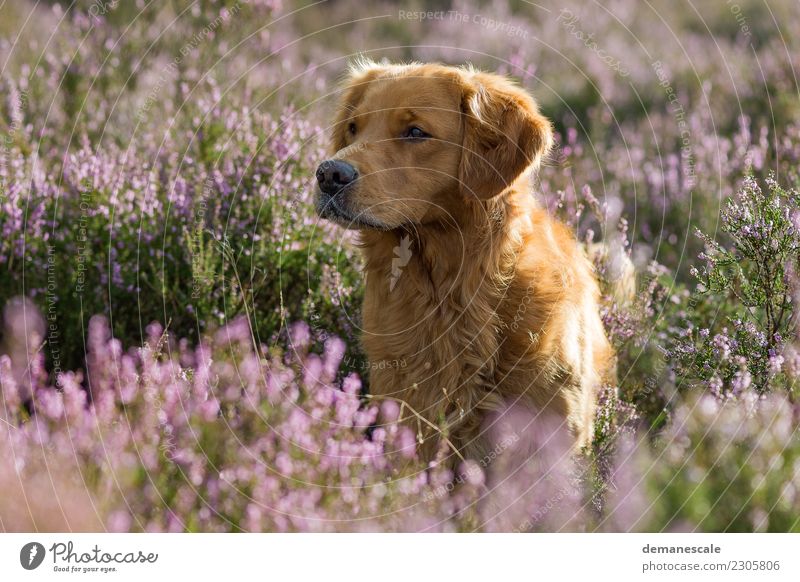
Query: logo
x,y
402,257
31,555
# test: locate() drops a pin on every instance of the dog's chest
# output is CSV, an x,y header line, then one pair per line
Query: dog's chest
x,y
430,345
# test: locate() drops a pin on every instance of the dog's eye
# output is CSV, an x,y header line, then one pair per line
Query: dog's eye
x,y
415,133
352,128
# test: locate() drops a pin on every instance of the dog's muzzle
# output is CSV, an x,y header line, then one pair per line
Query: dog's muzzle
x,y
335,179
333,176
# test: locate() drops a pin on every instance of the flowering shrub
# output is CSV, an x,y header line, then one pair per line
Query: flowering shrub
x,y
729,466
201,236
735,337
215,438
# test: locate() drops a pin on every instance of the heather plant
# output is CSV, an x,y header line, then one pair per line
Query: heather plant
x,y
154,193
226,228
664,188
735,329
113,70
721,465
219,438
216,437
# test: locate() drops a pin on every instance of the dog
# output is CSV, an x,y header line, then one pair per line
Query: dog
x,y
487,300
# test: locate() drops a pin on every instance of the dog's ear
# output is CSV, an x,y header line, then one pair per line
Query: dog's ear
x,y
360,75
504,134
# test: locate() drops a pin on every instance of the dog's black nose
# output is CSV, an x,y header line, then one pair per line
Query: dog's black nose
x,y
333,175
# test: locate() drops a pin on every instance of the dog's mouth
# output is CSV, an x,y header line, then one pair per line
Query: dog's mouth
x,y
331,208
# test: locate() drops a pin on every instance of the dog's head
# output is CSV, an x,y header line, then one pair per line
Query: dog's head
x,y
413,142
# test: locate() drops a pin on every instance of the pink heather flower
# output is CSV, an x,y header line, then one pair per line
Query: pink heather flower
x,y
334,352
708,407
792,361
313,372
300,336
50,403
364,418
119,521
351,384
741,381
236,331
716,385
8,385
154,332
775,364
209,409
390,411
472,473
722,344
406,442
284,464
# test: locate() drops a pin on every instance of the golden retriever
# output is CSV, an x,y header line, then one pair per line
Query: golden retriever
x,y
485,300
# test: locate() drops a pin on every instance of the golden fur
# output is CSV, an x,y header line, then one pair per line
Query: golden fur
x,y
485,299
